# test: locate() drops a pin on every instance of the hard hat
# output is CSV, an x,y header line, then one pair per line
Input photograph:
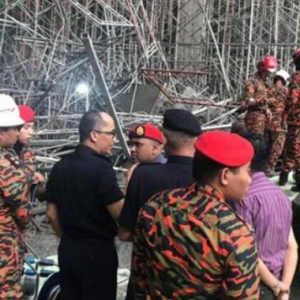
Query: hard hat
x,y
296,54
268,63
9,112
283,74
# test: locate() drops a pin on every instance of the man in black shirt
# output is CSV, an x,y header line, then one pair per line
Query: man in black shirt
x,y
181,129
84,202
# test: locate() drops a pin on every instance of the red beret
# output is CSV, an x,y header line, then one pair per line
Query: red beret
x,y
147,131
26,113
228,149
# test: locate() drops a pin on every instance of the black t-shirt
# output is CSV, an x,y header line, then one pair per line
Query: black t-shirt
x,y
82,184
149,179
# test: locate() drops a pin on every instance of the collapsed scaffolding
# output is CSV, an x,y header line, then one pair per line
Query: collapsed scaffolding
x,y
137,57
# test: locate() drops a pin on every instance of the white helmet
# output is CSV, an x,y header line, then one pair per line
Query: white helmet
x,y
284,75
9,112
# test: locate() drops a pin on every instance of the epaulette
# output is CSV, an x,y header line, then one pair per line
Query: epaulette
x,y
14,160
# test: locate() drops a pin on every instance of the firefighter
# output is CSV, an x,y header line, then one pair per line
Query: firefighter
x,y
292,110
15,207
276,126
25,153
256,100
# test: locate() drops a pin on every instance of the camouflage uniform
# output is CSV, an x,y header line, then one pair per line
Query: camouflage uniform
x,y
292,148
276,126
27,159
189,244
255,102
15,210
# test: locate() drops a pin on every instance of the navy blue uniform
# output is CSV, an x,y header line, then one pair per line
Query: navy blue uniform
x,y
149,179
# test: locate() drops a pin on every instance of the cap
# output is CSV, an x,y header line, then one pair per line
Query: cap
x,y
181,120
228,149
9,112
147,131
26,113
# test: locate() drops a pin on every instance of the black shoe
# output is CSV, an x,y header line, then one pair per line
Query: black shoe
x,y
283,178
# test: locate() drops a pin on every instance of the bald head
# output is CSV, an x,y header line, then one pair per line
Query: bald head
x,y
91,120
105,118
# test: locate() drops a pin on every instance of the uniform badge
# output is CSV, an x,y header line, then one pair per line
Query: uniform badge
x,y
140,131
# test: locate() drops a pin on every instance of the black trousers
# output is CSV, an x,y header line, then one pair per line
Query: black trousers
x,y
88,269
130,291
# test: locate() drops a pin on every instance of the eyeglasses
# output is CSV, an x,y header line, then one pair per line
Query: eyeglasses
x,y
112,133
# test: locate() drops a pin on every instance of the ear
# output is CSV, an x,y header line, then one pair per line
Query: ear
x,y
93,136
224,176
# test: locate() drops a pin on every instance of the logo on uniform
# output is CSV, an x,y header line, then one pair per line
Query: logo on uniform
x,y
140,131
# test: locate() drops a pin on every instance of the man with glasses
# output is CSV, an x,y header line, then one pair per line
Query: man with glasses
x,y
84,202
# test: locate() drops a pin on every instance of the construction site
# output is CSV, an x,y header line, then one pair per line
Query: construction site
x,y
135,59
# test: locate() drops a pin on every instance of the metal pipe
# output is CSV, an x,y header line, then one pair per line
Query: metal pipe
x,y
99,74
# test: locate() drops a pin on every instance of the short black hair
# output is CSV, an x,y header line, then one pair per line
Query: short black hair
x,y
276,78
88,122
5,129
177,139
261,150
206,170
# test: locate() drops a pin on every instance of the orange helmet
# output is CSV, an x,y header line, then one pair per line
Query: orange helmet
x,y
296,54
267,63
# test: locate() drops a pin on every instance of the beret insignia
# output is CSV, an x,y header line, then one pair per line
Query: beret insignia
x,y
140,131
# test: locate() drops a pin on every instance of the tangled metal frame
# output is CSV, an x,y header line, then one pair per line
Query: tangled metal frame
x,y
138,58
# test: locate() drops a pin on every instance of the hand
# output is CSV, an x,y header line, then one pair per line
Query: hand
x,y
283,296
37,178
269,114
280,288
22,216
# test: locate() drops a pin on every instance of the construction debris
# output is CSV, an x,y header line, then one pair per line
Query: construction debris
x,y
136,59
